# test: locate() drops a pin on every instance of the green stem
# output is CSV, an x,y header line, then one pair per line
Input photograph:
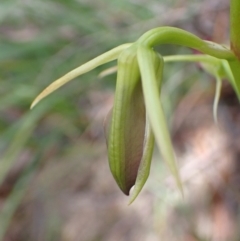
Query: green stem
x,y
235,43
191,58
235,26
203,58
170,35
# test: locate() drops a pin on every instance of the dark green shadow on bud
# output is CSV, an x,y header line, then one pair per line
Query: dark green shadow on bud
x,y
125,125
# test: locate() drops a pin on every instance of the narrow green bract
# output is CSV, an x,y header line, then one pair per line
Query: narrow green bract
x,y
154,109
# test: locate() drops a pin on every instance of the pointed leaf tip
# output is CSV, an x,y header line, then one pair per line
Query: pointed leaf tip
x,y
90,65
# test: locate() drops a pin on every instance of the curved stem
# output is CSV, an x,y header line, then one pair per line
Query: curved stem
x,y
170,35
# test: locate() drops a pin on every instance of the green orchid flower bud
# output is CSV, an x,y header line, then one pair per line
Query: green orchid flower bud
x,y
129,137
127,124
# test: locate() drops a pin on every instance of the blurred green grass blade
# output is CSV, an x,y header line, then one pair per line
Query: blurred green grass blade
x,y
24,131
12,202
21,94
203,58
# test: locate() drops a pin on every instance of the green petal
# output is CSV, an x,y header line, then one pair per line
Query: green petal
x,y
154,109
92,64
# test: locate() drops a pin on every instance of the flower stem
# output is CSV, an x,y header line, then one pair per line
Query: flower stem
x,y
170,35
203,58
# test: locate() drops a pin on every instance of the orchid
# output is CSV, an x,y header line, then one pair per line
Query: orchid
x,y
137,118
